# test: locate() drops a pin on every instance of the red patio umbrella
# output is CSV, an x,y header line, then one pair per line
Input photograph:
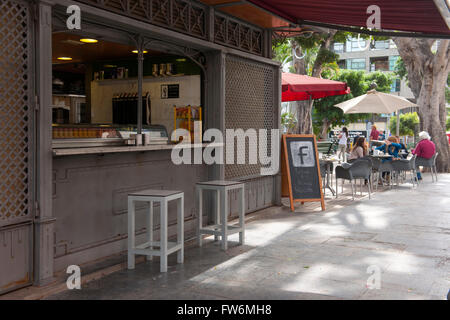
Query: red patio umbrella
x,y
297,87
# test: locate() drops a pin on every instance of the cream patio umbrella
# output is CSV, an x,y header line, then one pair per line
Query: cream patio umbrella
x,y
376,102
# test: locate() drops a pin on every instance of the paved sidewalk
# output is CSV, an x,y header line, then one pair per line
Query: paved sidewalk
x,y
309,254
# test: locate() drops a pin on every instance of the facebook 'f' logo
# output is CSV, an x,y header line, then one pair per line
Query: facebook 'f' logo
x,y
302,153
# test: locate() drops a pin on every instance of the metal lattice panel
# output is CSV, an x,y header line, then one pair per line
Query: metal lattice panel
x,y
234,33
15,112
249,103
181,15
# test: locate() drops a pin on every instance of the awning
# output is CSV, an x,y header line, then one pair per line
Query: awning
x,y
297,87
422,16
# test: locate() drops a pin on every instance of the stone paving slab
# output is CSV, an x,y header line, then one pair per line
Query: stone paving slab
x,y
310,254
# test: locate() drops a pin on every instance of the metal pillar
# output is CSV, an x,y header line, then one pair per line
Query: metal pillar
x,y
44,218
140,76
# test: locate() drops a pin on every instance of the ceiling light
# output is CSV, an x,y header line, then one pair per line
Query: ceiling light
x,y
88,40
135,51
181,60
64,58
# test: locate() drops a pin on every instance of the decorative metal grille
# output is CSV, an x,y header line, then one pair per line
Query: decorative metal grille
x,y
185,16
15,112
249,104
234,33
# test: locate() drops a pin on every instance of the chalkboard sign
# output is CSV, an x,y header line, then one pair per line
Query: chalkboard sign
x,y
300,169
352,134
170,91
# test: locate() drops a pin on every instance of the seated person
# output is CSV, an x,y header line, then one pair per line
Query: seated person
x,y
425,149
404,150
391,147
359,150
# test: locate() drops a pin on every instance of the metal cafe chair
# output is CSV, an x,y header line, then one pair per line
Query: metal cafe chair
x,y
404,166
379,167
428,163
359,169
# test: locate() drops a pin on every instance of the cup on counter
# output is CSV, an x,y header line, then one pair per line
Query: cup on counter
x,y
155,70
139,140
136,138
162,69
146,139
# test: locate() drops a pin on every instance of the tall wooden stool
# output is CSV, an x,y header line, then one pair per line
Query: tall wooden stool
x,y
221,226
165,247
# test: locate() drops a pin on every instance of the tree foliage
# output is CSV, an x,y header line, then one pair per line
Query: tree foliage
x,y
408,124
400,69
282,52
288,121
447,123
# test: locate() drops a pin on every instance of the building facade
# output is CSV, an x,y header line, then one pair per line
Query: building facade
x,y
370,56
63,202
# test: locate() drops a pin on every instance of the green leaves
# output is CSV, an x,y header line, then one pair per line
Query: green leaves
x,y
400,69
282,52
288,121
326,56
408,123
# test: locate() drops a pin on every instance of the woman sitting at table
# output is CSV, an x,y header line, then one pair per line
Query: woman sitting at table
x,y
425,149
359,150
391,147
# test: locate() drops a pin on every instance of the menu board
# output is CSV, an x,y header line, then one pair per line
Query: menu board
x,y
300,170
352,134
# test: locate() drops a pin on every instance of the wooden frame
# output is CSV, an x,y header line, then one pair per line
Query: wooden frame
x,y
286,172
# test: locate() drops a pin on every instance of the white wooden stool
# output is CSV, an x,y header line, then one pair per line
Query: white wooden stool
x,y
165,247
220,226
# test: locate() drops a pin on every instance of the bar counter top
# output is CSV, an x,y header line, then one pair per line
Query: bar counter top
x,y
122,149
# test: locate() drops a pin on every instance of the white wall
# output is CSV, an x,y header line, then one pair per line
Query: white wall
x,y
362,126
162,109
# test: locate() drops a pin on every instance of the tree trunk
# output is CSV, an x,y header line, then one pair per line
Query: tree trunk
x,y
324,129
304,108
427,75
304,120
304,117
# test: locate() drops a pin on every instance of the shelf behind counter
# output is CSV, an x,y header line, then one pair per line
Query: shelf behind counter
x,y
120,149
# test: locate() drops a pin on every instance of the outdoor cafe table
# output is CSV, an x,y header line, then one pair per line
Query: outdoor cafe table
x,y
382,156
328,163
